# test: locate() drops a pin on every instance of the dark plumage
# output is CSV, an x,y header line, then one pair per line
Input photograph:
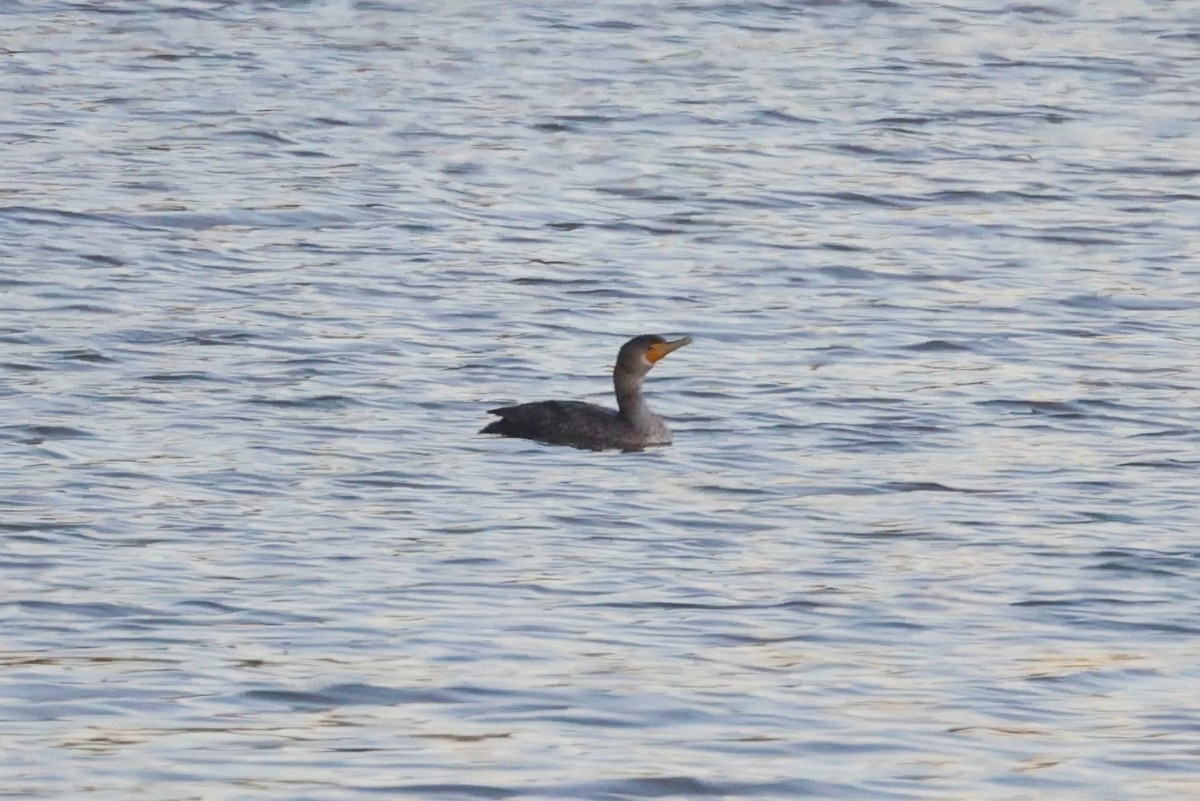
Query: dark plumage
x,y
630,426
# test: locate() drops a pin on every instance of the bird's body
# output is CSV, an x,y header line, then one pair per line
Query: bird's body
x,y
631,426
584,425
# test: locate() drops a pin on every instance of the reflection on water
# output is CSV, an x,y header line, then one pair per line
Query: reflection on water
x,y
926,528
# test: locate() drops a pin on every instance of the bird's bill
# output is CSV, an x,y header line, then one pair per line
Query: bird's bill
x,y
661,349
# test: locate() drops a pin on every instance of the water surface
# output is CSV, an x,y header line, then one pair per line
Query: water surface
x,y
928,530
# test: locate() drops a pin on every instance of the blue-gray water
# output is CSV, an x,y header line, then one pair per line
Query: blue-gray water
x,y
929,529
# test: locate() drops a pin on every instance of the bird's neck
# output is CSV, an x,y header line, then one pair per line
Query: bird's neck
x,y
630,400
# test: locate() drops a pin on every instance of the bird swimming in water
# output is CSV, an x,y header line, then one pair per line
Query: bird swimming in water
x,y
631,426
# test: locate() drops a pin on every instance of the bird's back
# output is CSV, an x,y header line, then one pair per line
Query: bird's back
x,y
583,425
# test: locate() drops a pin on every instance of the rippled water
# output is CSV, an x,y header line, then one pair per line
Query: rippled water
x,y
929,527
